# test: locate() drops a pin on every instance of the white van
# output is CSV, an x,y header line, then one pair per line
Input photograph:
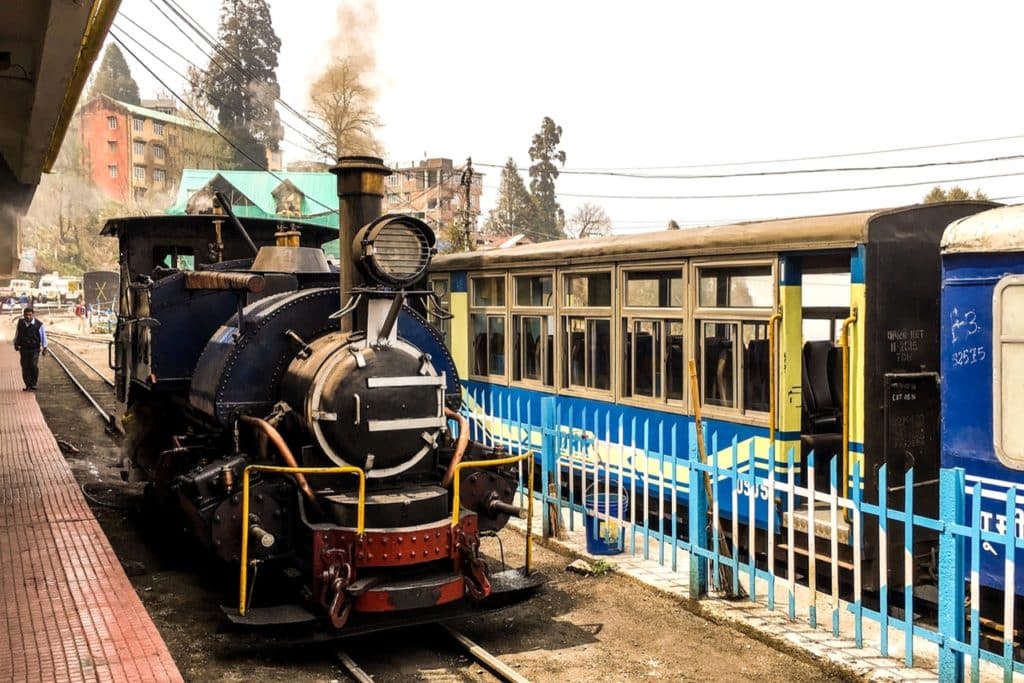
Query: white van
x,y
52,286
16,288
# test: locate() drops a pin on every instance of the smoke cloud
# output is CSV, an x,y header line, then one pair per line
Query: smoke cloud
x,y
357,28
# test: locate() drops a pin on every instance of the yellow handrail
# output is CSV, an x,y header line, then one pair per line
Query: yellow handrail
x,y
844,341
360,522
772,383
479,463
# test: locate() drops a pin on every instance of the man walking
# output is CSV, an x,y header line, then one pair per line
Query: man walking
x,y
30,341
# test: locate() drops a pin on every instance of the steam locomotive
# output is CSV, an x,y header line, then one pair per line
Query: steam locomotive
x,y
305,418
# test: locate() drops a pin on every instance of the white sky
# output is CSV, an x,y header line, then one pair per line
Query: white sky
x,y
654,84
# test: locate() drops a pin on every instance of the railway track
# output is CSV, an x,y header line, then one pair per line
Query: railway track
x,y
91,382
499,669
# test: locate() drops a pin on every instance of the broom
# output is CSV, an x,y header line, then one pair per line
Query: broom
x,y
724,570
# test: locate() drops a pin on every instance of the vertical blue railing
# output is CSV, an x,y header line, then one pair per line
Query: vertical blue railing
x,y
638,459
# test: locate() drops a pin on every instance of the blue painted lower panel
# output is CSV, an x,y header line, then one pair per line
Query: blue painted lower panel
x,y
644,441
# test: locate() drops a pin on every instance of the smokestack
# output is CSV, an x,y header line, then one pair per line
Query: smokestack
x,y
360,196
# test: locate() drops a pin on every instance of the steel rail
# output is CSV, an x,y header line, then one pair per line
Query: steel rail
x,y
81,359
77,337
478,654
482,656
85,392
357,673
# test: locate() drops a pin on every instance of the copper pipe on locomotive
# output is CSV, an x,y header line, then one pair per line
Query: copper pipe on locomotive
x,y
275,438
460,447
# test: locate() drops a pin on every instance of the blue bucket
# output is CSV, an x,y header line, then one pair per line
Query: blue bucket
x,y
604,536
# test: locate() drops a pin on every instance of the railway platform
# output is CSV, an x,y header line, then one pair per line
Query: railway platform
x,y
69,611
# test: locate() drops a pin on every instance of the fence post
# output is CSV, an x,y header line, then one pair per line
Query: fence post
x,y
698,523
548,458
951,573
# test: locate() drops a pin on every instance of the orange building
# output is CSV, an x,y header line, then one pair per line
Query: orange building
x,y
135,152
432,190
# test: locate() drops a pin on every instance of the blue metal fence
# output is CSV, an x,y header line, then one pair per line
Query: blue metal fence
x,y
586,456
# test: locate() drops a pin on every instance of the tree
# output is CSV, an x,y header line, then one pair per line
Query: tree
x,y
954,193
342,103
63,224
544,152
114,78
241,81
515,211
589,220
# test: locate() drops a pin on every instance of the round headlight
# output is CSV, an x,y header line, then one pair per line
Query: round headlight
x,y
394,250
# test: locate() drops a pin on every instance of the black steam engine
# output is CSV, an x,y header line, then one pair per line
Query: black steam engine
x,y
300,417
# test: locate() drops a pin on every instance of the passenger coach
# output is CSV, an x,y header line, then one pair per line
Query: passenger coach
x,y
763,308
982,363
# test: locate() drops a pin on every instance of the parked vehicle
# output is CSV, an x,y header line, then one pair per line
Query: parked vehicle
x,y
16,288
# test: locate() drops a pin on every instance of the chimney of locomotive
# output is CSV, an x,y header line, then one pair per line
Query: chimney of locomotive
x,y
360,196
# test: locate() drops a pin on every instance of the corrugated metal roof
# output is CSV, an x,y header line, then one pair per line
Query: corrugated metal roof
x,y
813,232
319,204
999,229
319,189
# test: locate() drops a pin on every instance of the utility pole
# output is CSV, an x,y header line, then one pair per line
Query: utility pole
x,y
467,184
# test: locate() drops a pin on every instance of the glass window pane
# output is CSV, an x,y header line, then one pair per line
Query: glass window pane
x,y
574,352
478,324
755,366
488,291
736,287
1012,311
718,361
599,355
440,288
654,289
588,290
532,346
1011,402
533,290
496,345
549,351
647,358
675,364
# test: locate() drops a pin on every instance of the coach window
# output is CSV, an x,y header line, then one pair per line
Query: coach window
x,y
1008,367
533,329
487,326
586,331
734,303
652,334
440,285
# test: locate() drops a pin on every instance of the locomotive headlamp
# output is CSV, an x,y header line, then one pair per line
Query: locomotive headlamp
x,y
394,250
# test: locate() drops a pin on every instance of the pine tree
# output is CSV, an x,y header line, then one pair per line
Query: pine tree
x,y
515,210
544,152
114,79
241,81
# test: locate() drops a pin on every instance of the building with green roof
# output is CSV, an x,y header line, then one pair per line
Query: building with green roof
x,y
291,197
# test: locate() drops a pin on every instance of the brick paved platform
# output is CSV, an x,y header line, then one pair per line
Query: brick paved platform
x,y
69,612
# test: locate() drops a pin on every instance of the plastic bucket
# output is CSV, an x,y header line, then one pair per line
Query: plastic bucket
x,y
604,536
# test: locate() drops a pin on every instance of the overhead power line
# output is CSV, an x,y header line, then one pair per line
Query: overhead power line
x,y
218,103
791,193
199,116
795,171
809,158
230,57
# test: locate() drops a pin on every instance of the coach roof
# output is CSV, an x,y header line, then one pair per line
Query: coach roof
x,y
788,234
999,229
